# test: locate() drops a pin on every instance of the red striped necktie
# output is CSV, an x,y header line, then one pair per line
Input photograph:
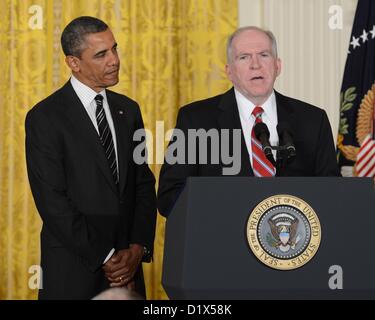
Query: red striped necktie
x,y
262,167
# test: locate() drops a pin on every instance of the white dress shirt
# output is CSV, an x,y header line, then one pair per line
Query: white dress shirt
x,y
87,97
269,117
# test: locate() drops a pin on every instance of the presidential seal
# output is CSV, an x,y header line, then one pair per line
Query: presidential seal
x,y
283,232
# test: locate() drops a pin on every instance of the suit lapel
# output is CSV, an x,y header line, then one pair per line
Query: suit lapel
x,y
229,118
121,124
81,121
285,112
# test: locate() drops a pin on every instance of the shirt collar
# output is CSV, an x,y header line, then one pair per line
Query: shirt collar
x,y
85,93
246,107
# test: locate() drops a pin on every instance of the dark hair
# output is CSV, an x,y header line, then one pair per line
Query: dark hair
x,y
73,36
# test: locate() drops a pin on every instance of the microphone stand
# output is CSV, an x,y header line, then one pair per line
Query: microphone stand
x,y
282,158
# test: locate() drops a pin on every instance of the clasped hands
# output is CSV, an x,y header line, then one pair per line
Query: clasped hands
x,y
122,266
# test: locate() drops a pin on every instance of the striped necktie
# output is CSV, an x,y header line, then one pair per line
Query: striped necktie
x,y
262,167
106,137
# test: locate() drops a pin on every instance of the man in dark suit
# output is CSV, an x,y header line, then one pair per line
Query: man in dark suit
x,y
97,205
253,67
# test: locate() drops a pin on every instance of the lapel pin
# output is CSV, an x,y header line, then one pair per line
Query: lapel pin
x,y
121,112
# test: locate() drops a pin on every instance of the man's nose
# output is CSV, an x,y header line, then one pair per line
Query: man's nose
x,y
254,62
114,59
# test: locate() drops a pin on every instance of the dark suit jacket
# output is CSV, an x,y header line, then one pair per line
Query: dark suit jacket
x,y
84,213
312,138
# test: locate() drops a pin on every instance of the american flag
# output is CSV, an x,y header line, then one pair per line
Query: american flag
x,y
358,81
365,165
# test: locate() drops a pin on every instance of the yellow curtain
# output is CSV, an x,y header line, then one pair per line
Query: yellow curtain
x,y
172,52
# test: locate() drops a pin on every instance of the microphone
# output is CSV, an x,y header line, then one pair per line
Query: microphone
x,y
286,134
263,135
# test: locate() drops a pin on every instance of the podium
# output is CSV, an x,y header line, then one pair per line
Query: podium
x,y
207,254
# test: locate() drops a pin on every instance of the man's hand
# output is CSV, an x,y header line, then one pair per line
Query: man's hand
x,y
121,268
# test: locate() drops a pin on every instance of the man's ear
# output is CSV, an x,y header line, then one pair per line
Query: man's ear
x,y
73,63
228,71
278,65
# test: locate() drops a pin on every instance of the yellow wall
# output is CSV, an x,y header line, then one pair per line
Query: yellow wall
x,y
172,52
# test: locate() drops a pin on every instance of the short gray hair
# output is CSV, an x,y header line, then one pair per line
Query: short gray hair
x,y
268,33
